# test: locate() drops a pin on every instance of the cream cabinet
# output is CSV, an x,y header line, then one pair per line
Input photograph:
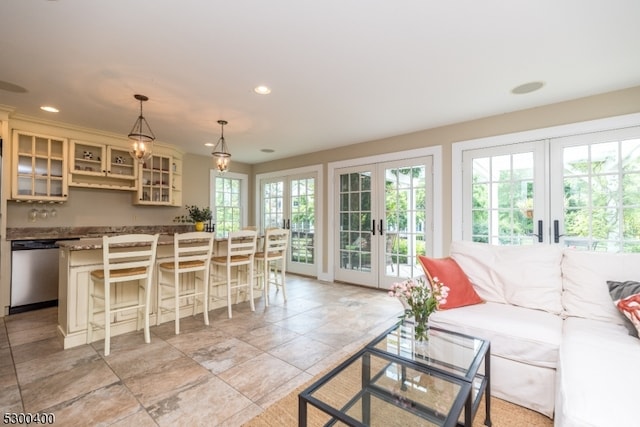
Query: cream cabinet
x,y
155,181
39,167
97,165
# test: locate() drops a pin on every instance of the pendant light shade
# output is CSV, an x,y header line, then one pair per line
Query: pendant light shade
x,y
141,135
221,154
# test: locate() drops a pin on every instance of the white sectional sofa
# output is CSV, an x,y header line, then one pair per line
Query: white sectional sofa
x,y
559,345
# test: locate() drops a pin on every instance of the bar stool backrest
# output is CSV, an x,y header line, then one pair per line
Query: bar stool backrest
x,y
128,257
241,244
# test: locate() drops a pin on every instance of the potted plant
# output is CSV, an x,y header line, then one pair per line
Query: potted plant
x,y
199,216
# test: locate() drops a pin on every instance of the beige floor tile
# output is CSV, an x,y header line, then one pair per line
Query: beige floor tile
x,y
59,362
166,380
281,391
127,363
10,399
206,403
258,376
37,333
269,336
32,350
302,352
103,406
47,391
139,419
225,355
190,342
240,418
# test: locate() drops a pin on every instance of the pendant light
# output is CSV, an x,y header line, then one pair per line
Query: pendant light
x,y
141,135
221,153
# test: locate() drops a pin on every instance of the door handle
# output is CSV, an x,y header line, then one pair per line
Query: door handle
x,y
556,231
288,224
381,229
539,235
373,227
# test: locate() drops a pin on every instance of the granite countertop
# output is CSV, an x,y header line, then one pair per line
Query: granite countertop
x,y
96,243
31,233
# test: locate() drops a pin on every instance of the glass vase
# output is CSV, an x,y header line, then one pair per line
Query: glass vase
x,y
421,327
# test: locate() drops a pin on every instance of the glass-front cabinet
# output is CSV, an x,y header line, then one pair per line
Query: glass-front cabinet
x,y
101,166
39,167
156,181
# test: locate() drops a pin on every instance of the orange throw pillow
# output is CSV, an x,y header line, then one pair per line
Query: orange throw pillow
x,y
448,271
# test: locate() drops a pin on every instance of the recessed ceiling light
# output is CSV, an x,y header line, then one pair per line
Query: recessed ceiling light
x,y
209,144
49,109
527,88
262,90
268,150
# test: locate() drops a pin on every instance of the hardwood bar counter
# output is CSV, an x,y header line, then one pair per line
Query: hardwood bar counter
x,y
77,259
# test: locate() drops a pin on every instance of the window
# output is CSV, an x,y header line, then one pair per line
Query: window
x,y
229,196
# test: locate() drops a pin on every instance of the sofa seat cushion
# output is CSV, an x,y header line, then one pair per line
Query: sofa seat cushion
x,y
516,333
598,375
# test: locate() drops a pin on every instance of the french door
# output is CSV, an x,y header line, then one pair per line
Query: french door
x,y
581,191
290,202
384,218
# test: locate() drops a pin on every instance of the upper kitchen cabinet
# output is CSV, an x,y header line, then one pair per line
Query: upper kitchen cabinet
x,y
39,167
97,165
155,181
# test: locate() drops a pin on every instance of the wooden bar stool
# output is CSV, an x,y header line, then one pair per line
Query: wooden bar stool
x,y
127,266
241,248
179,276
276,242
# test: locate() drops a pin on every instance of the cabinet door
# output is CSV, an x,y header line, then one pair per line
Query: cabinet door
x,y
39,167
155,181
87,158
120,164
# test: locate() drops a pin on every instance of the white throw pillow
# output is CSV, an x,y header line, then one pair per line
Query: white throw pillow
x,y
531,276
585,276
478,260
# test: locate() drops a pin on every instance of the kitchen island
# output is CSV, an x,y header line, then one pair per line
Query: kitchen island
x,y
77,258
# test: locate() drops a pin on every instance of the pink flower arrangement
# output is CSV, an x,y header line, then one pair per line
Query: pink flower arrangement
x,y
420,297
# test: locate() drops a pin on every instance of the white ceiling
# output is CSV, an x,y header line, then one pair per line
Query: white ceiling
x,y
341,71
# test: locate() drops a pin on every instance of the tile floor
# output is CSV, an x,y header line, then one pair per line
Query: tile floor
x,y
223,374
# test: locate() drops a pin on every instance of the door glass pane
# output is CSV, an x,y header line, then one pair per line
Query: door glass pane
x,y
302,196
273,204
503,194
405,218
355,221
602,196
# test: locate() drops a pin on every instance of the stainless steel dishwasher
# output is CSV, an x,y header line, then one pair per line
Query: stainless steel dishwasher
x,y
34,274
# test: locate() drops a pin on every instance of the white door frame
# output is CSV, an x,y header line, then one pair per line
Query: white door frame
x,y
319,212
434,151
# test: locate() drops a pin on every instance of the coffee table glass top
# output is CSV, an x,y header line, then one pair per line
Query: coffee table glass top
x,y
376,389
452,353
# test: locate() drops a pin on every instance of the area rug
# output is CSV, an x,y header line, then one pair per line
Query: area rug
x,y
284,413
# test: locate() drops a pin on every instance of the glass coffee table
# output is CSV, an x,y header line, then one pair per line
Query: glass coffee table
x,y
396,380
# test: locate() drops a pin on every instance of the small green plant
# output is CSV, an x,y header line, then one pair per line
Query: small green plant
x,y
195,214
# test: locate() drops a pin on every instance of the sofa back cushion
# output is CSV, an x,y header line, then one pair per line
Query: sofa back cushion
x,y
477,260
531,276
585,275
526,276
